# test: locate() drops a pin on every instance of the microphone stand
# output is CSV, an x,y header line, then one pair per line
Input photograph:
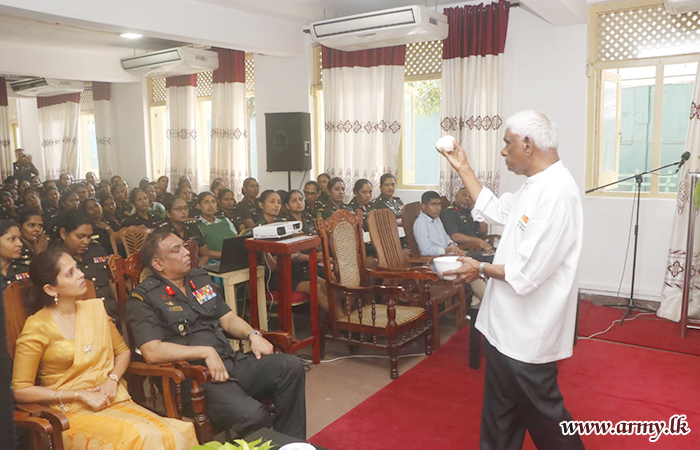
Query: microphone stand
x,y
631,305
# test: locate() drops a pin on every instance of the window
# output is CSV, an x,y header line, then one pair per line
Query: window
x,y
418,160
641,85
159,122
15,134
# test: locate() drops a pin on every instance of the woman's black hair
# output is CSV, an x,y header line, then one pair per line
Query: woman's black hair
x,y
26,214
223,192
64,197
284,195
27,191
6,225
313,183
294,191
44,270
216,183
359,184
333,182
7,193
144,182
74,219
323,175
104,196
168,202
179,189
84,203
385,177
49,188
202,195
266,194
134,192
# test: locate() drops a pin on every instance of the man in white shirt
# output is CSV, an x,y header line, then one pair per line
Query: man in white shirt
x,y
528,312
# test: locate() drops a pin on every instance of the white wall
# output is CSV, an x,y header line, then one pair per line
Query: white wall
x,y
281,85
131,135
545,70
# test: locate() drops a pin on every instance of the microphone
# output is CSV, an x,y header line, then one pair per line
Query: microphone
x,y
684,157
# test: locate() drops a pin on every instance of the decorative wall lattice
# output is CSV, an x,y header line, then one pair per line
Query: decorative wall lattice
x,y
87,103
204,80
249,73
156,90
423,60
646,32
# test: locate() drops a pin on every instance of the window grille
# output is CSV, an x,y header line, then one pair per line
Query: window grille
x,y
423,60
87,105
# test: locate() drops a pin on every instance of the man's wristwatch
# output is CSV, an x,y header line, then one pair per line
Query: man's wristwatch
x,y
252,333
482,275
113,377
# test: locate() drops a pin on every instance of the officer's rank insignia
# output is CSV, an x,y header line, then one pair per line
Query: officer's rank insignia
x,y
99,260
136,295
204,294
22,276
170,291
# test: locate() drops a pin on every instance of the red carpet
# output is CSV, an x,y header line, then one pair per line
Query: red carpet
x,y
645,331
437,404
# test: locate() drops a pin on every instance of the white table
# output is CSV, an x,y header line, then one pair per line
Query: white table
x,y
231,279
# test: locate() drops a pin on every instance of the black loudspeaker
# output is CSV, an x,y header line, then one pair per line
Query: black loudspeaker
x,y
288,141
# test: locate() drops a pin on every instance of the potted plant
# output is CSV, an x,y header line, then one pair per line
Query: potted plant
x,y
239,444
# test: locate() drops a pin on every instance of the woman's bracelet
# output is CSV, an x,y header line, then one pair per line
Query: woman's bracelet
x,y
60,400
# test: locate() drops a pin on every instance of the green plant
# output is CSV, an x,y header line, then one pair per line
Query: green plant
x,y
240,444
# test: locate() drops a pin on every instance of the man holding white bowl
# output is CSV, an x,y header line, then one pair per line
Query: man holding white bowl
x,y
528,312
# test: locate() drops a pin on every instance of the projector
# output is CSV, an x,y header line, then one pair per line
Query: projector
x,y
277,230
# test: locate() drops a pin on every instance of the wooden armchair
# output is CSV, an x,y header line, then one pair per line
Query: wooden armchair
x,y
131,237
445,295
126,274
355,311
15,316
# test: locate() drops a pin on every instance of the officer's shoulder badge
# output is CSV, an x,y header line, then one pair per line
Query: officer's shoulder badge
x,y
136,295
147,285
198,271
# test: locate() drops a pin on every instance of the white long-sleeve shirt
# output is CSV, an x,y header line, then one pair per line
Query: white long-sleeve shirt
x,y
531,315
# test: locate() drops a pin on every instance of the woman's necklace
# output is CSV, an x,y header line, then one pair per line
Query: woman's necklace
x,y
87,348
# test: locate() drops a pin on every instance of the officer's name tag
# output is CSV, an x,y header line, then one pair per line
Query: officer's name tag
x,y
99,260
204,294
176,308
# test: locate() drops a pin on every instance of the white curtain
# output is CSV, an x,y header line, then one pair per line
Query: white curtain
x,y
471,86
5,133
672,291
363,112
59,120
230,157
101,93
181,108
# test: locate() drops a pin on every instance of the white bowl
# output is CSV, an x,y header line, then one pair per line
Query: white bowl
x,y
298,446
445,263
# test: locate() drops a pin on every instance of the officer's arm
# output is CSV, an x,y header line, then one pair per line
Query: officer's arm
x,y
465,239
235,326
156,352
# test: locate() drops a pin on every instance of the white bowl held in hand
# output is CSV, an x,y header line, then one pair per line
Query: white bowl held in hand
x,y
446,143
298,446
446,263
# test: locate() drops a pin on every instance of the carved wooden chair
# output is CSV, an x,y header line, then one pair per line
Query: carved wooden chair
x,y
126,274
445,295
354,310
131,237
15,304
410,213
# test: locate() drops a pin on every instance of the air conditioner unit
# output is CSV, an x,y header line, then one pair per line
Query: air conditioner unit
x,y
385,28
681,6
46,87
171,62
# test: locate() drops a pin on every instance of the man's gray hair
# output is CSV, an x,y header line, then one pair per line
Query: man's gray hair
x,y
535,126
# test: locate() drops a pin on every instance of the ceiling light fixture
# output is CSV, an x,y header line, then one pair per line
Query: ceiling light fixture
x,y
131,35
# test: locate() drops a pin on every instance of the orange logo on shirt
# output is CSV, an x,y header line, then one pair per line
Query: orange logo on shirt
x,y
524,219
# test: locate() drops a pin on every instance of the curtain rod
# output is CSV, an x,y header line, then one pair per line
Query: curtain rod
x,y
514,5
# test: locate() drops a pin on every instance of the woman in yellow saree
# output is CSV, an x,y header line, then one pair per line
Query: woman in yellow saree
x,y
71,356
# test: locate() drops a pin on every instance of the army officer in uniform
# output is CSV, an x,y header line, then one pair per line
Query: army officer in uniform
x,y
462,228
80,241
177,314
11,266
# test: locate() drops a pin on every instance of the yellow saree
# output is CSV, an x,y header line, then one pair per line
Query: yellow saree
x,y
44,355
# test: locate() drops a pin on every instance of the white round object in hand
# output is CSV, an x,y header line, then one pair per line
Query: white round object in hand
x,y
298,446
446,263
446,143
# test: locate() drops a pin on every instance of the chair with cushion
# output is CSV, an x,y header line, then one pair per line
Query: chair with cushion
x,y
356,316
411,211
131,237
446,296
15,306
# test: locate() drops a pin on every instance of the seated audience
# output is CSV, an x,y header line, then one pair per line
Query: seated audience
x,y
35,240
296,211
178,223
362,198
9,210
64,182
431,237
109,211
71,356
114,180
155,207
387,186
162,186
323,180
311,193
248,208
336,196
35,181
81,190
90,190
184,191
104,188
23,185
102,229
12,266
77,231
141,216
193,332
10,181
14,193
215,229
459,224
227,208
217,185
31,199
52,198
121,198
91,178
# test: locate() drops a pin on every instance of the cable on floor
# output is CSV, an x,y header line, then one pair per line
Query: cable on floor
x,y
308,359
615,322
